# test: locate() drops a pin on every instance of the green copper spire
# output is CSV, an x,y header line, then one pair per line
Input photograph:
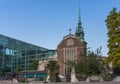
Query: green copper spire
x,y
79,30
79,18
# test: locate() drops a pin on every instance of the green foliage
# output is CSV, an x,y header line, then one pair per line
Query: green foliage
x,y
4,70
19,68
53,70
23,80
89,65
70,64
34,65
39,79
7,69
86,66
113,26
106,77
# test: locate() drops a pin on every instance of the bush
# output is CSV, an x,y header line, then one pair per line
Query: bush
x,y
23,80
82,77
39,79
107,77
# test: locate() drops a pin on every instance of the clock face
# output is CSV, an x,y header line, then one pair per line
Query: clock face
x,y
70,42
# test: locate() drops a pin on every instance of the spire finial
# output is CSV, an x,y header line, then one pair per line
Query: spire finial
x,y
79,15
70,31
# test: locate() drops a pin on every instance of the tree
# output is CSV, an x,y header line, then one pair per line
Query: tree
x,y
19,68
53,69
69,65
113,27
89,65
94,65
86,66
34,65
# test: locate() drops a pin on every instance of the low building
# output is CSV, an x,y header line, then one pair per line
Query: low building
x,y
18,55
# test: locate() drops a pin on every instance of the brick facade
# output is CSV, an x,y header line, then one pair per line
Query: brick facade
x,y
70,48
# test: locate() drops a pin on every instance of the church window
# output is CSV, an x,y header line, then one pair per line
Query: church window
x,y
70,53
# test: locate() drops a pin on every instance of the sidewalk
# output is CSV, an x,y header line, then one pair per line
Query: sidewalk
x,y
10,82
81,82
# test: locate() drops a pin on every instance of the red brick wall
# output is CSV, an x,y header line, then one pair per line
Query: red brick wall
x,y
81,48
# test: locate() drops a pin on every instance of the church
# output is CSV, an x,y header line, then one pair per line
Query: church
x,y
71,48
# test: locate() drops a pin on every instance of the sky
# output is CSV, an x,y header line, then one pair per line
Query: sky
x,y
46,22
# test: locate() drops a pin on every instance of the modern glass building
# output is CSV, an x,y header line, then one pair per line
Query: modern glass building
x,y
16,54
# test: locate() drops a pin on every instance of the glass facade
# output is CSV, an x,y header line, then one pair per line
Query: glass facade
x,y
16,54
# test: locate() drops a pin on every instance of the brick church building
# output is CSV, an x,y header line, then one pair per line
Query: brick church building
x,y
71,47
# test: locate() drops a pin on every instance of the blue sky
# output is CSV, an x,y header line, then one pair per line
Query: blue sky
x,y
45,22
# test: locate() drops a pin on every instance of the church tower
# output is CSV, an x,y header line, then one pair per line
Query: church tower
x,y
79,30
